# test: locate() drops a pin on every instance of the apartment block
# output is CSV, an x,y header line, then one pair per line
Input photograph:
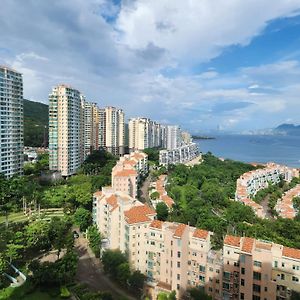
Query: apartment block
x,y
112,122
66,130
11,111
173,137
179,155
252,182
128,171
176,256
144,133
91,128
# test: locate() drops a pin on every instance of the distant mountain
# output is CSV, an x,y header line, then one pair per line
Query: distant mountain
x,y
289,129
35,123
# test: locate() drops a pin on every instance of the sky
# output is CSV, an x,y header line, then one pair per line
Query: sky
x,y
230,65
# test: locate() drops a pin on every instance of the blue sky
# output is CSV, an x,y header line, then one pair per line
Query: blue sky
x,y
232,65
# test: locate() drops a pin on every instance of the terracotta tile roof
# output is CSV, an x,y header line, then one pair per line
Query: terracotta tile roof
x,y
98,194
138,155
200,234
130,162
156,224
291,252
112,201
232,240
179,230
126,173
263,245
167,200
247,244
139,214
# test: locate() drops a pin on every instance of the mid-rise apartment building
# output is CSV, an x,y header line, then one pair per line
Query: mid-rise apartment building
x,y
66,130
179,155
128,172
176,256
11,111
253,181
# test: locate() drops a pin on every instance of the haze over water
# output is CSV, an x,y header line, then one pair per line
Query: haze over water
x,y
255,148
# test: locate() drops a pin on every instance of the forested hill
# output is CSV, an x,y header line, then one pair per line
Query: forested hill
x,y
35,120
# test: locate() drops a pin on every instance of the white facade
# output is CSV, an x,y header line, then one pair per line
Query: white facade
x,y
11,111
66,130
173,137
178,155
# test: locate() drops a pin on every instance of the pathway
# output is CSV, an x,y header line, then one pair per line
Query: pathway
x,y
90,272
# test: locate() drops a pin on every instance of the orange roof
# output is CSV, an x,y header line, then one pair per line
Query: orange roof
x,y
138,155
200,234
126,173
179,230
138,214
98,193
156,224
130,162
291,252
112,201
167,200
247,244
232,240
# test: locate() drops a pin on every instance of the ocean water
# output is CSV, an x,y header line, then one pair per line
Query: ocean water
x,y
255,148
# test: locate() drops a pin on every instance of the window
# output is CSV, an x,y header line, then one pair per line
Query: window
x,y
256,275
295,279
178,286
211,269
296,268
178,254
202,268
202,278
178,276
266,289
242,258
242,282
257,263
226,275
254,297
226,285
178,264
282,277
243,271
282,264
276,264
242,296
256,288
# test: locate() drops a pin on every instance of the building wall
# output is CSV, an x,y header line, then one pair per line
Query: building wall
x,y
66,130
11,111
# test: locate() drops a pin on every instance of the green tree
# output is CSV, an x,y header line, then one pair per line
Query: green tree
x,y
13,251
154,195
123,273
94,238
136,280
37,235
82,218
162,211
111,259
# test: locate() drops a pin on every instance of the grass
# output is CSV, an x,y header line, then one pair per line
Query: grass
x,y
20,217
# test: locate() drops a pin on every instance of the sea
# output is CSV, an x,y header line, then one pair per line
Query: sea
x,y
255,148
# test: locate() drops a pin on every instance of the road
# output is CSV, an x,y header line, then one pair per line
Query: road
x,y
90,272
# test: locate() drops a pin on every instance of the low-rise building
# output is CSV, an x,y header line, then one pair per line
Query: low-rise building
x,y
284,206
159,187
180,155
253,181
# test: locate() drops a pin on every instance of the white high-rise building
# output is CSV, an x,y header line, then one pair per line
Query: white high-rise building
x,y
114,128
66,130
11,111
173,137
91,128
144,133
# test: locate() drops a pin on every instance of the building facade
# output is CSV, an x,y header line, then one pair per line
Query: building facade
x,y
66,130
173,137
253,181
114,128
11,111
144,133
91,128
180,155
176,256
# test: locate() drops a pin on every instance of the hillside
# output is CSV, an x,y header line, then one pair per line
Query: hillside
x,y
35,120
289,129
